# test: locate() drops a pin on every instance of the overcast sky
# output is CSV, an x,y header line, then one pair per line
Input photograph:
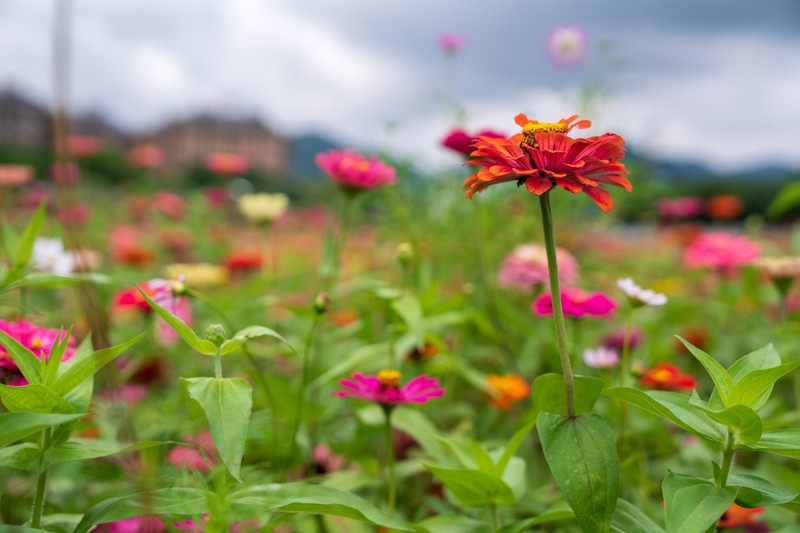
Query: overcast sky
x,y
712,81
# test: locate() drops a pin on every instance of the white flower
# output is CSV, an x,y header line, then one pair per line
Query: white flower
x,y
263,207
602,357
49,256
639,295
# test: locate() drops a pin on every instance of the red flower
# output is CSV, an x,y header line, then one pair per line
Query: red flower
x,y
243,260
543,156
736,516
460,141
666,376
226,164
576,303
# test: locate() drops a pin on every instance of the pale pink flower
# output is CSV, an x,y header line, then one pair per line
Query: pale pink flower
x,y
721,251
451,43
638,295
354,172
601,357
202,457
526,267
567,45
145,156
576,303
385,388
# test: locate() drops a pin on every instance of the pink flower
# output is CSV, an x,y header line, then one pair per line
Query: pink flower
x,y
451,43
145,156
15,175
385,388
576,303
567,45
460,141
616,339
169,204
136,524
129,394
76,215
680,208
65,173
226,164
721,251
216,196
37,339
202,457
84,145
601,357
354,172
526,267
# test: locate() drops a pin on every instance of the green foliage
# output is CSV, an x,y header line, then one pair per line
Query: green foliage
x,y
693,505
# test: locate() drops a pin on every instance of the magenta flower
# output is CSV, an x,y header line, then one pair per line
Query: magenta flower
x,y
721,251
680,208
460,141
451,43
576,303
567,45
37,339
385,388
526,267
354,172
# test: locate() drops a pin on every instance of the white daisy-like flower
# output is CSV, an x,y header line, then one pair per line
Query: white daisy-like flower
x,y
49,256
639,295
601,357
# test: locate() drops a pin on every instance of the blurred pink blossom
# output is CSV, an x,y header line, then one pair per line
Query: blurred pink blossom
x,y
576,303
526,267
681,208
460,141
354,172
66,173
601,357
227,164
84,145
37,339
567,45
145,156
201,457
169,204
451,43
721,251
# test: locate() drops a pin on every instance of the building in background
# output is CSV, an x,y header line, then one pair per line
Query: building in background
x,y
23,123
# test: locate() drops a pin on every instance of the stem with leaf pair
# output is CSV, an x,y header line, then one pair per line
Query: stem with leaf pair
x,y
727,460
558,312
41,482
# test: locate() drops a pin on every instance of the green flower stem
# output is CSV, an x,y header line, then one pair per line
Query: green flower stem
x,y
727,459
390,477
301,394
493,516
41,482
218,365
338,242
623,374
558,312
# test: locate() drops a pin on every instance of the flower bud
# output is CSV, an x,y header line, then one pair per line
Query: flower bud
x,y
217,334
405,253
321,303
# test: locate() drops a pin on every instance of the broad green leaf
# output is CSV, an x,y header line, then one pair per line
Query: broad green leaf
x,y
781,442
169,501
718,374
514,477
10,238
745,423
37,398
28,363
757,384
693,505
461,450
24,246
204,346
482,458
786,198
304,498
549,395
227,403
24,456
675,407
450,524
512,446
71,452
582,456
410,311
559,511
79,398
474,488
630,519
765,357
240,337
14,426
755,491
419,426
86,367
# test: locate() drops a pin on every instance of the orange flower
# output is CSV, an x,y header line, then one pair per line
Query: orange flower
x,y
666,376
724,207
509,388
543,156
736,515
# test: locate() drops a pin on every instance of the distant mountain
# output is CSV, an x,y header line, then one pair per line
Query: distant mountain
x,y
302,150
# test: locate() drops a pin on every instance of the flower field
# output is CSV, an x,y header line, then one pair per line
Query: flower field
x,y
490,351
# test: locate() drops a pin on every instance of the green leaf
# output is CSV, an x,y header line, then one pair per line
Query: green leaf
x,y
204,346
227,403
240,337
10,238
788,197
410,311
317,499
71,452
755,491
757,384
482,458
24,456
450,524
549,395
14,426
474,488
582,456
24,246
765,357
79,398
87,366
718,374
675,407
693,505
745,423
169,501
512,446
26,360
419,426
55,357
37,398
630,519
559,511
781,442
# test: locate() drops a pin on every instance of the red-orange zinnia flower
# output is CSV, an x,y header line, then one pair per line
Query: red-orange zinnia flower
x,y
736,516
543,156
509,387
666,376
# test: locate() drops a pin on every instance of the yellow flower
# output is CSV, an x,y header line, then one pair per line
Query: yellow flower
x,y
198,275
263,208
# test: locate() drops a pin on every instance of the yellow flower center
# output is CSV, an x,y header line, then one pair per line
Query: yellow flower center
x,y
661,376
530,129
390,379
36,343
